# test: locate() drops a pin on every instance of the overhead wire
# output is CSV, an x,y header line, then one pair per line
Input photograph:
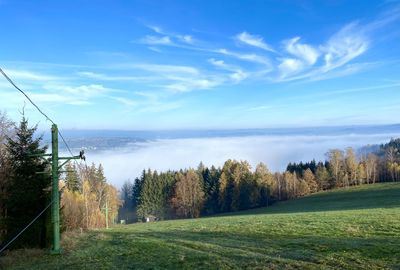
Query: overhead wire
x,y
61,136
37,107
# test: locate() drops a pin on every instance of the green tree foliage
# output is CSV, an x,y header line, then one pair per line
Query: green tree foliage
x,y
154,195
72,181
236,187
210,179
127,209
137,189
28,192
6,131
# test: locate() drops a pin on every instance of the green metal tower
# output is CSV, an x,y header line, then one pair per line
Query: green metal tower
x,y
55,193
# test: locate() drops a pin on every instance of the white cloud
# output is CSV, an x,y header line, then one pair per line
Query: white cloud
x,y
106,77
347,44
154,49
29,75
303,51
83,91
254,40
167,69
125,101
186,38
237,74
167,39
250,57
156,29
290,66
218,63
190,84
153,40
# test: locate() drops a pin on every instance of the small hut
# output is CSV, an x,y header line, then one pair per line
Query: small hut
x,y
151,218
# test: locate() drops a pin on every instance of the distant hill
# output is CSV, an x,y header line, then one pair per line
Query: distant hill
x,y
104,139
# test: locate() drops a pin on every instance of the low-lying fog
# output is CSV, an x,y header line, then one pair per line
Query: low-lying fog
x,y
275,151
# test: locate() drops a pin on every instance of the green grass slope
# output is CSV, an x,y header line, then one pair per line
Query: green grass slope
x,y
356,228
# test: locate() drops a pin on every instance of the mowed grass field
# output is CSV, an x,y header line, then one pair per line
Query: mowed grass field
x,y
356,228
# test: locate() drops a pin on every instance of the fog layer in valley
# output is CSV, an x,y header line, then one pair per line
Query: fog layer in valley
x,y
275,151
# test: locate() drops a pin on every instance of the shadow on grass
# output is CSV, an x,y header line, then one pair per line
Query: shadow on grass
x,y
216,250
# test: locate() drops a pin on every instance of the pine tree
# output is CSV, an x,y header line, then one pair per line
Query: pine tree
x,y
28,191
153,197
72,181
211,190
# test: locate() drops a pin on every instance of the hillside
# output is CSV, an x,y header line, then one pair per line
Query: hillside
x,y
357,228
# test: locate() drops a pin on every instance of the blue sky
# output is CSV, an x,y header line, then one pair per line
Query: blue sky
x,y
202,64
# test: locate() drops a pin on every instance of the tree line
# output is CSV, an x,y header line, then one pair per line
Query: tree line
x,y
25,189
235,186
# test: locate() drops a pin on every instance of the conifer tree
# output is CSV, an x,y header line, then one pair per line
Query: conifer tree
x,y
72,181
28,191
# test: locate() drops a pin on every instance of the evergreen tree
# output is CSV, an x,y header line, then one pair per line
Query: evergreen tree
x,y
28,191
72,181
211,190
137,189
227,186
153,197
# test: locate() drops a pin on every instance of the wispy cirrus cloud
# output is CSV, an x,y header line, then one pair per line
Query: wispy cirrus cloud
x,y
167,69
350,42
292,59
303,51
236,73
254,40
154,40
30,75
249,57
107,77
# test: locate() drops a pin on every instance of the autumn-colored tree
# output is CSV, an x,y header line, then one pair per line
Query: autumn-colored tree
x,y
371,168
84,208
309,178
189,196
351,166
264,181
323,178
336,159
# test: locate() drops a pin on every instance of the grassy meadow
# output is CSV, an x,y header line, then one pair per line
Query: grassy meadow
x,y
356,228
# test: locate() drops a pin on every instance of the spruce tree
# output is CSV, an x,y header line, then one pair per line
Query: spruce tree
x,y
72,181
28,191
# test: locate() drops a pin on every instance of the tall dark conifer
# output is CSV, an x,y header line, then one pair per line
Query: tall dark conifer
x,y
28,191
